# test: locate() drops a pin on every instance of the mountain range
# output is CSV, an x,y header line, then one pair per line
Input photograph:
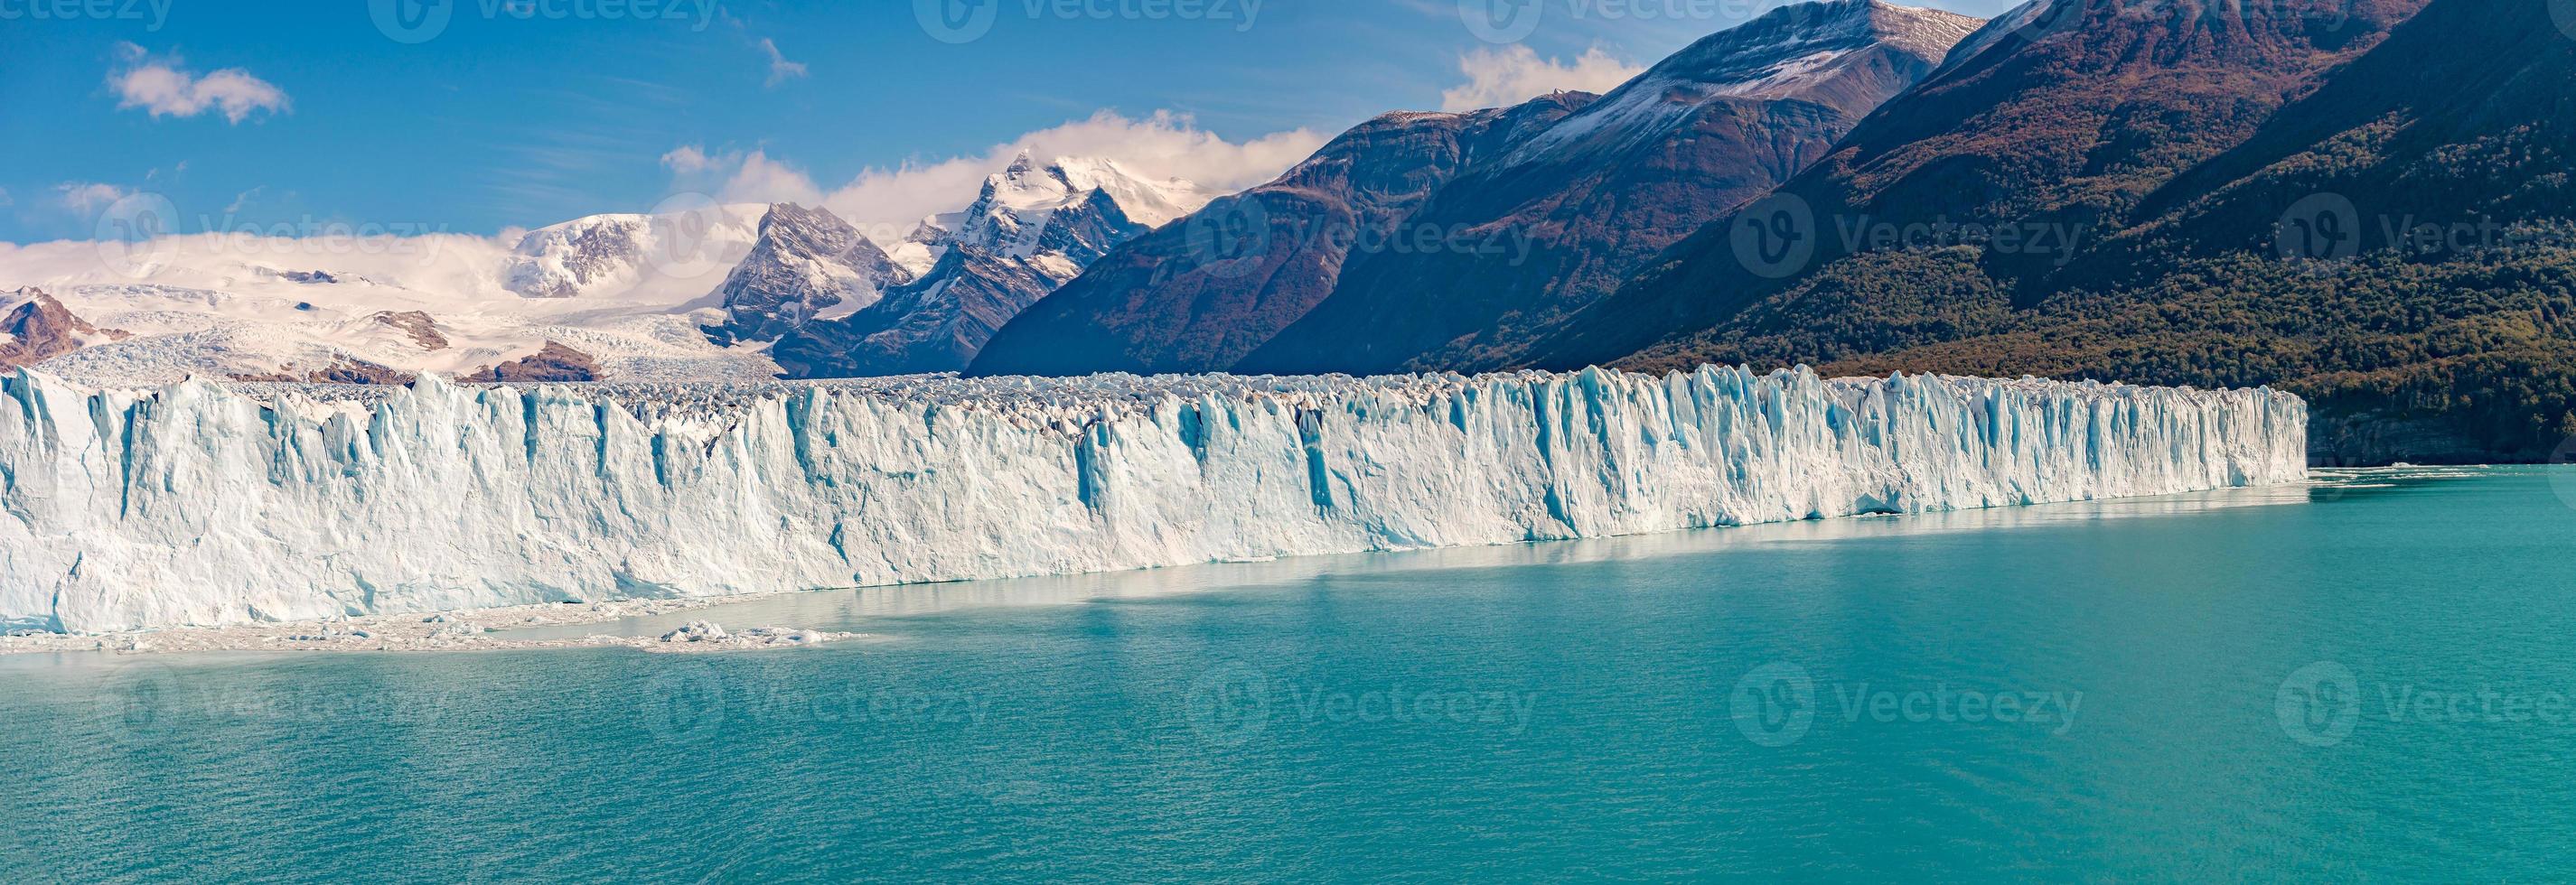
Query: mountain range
x,y
2365,202
2362,201
1422,240
693,291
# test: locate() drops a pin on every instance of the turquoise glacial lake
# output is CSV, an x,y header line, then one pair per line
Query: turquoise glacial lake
x,y
2366,680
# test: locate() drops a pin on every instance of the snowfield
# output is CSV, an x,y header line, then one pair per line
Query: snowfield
x,y
214,504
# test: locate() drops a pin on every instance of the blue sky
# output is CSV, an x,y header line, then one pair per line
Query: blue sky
x,y
473,116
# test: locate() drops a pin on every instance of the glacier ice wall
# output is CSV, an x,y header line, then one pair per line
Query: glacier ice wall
x,y
202,504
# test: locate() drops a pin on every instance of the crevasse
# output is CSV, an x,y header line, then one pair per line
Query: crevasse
x,y
203,504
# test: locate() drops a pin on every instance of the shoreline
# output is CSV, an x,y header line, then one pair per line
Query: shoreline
x,y
469,630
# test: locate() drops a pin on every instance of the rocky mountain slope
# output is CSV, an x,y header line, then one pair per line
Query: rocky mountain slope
x,y
1593,198
1199,294
1446,239
1031,229
2362,202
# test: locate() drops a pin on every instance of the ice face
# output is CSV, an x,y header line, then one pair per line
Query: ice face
x,y
209,504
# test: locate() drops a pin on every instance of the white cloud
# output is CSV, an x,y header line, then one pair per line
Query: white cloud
x,y
689,160
242,199
1165,145
780,69
1514,74
741,176
888,202
82,196
162,88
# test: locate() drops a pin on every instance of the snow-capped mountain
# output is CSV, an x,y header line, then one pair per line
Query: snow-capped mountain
x,y
617,253
677,294
807,264
1010,217
34,328
1030,230
627,292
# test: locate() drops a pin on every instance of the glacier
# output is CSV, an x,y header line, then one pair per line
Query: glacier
x,y
202,504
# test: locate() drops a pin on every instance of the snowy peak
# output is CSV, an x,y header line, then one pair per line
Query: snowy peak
x,y
1030,230
34,328
1010,215
807,263
607,254
1844,54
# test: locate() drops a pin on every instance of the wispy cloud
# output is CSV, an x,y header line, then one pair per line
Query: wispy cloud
x,y
1514,74
159,86
780,69
85,196
242,199
742,176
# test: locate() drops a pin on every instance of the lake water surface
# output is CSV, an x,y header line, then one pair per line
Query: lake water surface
x,y
2369,680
